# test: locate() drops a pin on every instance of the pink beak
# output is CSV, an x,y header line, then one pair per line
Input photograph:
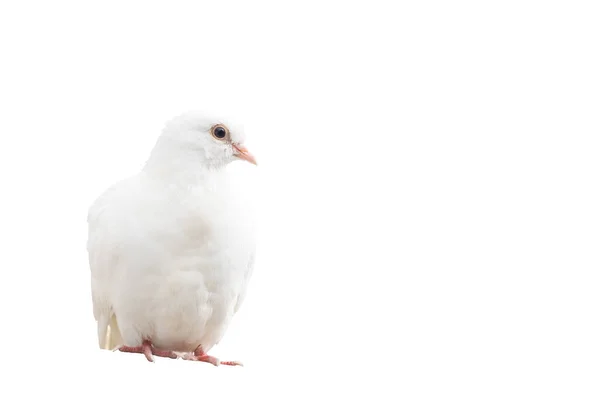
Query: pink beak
x,y
243,153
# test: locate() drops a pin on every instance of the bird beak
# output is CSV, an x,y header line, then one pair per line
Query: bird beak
x,y
242,152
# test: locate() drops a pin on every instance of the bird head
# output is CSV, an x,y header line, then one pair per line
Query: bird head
x,y
213,141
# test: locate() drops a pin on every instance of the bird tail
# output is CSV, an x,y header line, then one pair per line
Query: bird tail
x,y
109,335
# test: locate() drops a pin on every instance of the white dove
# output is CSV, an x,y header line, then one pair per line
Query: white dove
x,y
171,249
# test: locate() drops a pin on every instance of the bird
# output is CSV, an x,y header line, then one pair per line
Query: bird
x,y
172,247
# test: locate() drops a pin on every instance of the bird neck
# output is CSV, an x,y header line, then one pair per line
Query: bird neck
x,y
182,168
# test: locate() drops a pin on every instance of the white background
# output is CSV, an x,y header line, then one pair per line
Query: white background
x,y
428,191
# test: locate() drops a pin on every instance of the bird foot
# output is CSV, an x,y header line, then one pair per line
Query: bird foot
x,y
200,355
148,350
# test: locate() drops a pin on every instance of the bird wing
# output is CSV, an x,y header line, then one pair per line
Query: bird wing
x,y
244,287
103,256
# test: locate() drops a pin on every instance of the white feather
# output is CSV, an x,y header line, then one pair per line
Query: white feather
x,y
171,249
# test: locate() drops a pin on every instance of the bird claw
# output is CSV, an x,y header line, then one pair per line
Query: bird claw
x,y
148,350
200,355
232,363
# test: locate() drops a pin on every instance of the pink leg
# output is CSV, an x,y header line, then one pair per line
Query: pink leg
x,y
148,350
200,355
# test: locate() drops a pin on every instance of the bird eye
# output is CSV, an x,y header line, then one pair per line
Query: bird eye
x,y
219,132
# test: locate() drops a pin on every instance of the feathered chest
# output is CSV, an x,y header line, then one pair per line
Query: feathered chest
x,y
202,228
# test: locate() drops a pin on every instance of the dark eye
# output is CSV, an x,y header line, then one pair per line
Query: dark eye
x,y
219,132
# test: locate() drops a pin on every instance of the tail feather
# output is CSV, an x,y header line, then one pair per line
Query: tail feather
x,y
109,336
114,334
102,331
